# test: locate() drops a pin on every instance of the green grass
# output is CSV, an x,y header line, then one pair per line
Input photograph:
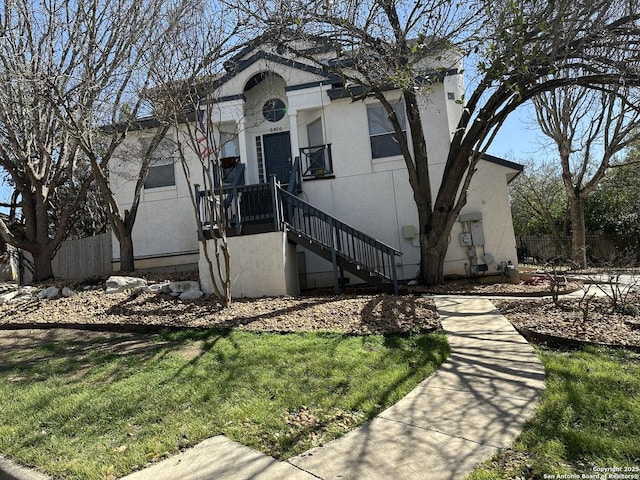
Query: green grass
x,y
102,408
589,417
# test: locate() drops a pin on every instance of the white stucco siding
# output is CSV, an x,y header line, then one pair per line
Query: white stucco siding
x,y
488,195
435,112
260,265
348,134
165,223
230,111
454,84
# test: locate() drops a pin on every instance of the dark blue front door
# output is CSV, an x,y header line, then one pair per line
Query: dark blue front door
x,y
277,155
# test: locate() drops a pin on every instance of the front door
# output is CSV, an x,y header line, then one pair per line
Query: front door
x,y
277,156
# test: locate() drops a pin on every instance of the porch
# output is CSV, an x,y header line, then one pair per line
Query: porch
x,y
239,209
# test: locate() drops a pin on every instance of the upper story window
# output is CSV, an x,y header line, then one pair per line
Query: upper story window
x,y
161,169
381,132
274,110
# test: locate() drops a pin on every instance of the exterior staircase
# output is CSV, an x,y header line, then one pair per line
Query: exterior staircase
x,y
347,248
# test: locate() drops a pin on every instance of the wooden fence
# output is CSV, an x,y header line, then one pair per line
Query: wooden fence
x,y
75,259
84,258
601,249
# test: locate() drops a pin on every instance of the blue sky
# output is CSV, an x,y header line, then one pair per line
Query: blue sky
x,y
519,139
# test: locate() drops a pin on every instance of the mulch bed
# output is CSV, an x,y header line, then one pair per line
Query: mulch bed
x,y
358,311
565,323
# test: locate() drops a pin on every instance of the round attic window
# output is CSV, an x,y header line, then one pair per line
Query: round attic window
x,y
274,110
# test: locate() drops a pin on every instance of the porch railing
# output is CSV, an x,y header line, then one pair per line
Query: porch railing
x,y
341,240
345,246
316,161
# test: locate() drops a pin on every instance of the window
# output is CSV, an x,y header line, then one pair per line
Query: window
x,y
274,110
161,169
381,133
229,146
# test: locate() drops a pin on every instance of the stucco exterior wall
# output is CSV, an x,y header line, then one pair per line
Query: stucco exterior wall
x,y
261,265
372,195
165,224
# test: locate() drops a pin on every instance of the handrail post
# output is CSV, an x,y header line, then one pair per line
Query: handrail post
x,y
196,197
197,200
334,255
276,204
394,273
236,204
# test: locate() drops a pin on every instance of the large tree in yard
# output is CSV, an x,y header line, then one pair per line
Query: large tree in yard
x,y
590,129
68,69
518,50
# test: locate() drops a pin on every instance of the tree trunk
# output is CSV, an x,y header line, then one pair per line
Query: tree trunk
x,y
126,252
43,269
578,237
432,261
433,248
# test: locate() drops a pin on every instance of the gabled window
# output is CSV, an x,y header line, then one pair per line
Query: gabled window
x,y
161,169
381,132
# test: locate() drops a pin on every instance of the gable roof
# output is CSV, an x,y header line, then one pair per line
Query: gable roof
x,y
240,64
519,168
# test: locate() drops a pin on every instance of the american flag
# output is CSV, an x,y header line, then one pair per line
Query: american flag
x,y
205,151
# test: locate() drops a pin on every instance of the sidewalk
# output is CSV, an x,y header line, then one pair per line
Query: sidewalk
x,y
471,408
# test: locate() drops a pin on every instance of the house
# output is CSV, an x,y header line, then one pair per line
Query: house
x,y
316,188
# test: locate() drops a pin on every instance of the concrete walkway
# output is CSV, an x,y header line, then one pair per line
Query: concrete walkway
x,y
471,408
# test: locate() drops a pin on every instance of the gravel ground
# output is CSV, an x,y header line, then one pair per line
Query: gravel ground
x,y
567,320
353,314
360,311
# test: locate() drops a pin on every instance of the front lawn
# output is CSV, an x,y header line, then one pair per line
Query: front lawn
x,y
588,421
99,407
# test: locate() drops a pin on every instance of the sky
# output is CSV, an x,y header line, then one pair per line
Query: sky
x,y
519,139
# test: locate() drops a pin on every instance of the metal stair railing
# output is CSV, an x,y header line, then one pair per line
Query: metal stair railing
x,y
342,240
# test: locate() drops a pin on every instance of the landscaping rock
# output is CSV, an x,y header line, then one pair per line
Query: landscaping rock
x,y
191,295
48,293
157,288
7,297
116,284
22,298
68,292
178,288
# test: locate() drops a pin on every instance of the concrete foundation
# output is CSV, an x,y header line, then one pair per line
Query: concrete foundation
x,y
261,265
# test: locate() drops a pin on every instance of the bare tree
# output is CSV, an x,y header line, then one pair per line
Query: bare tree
x,y
538,203
521,48
183,99
67,68
112,92
589,128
